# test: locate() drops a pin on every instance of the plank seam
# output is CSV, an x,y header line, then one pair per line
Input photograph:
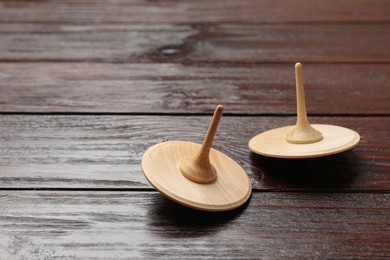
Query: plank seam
x,y
187,114
151,190
204,23
195,63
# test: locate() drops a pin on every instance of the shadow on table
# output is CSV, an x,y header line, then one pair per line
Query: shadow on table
x,y
170,219
325,173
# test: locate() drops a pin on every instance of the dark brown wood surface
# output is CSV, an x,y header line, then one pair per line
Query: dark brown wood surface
x,y
105,151
87,86
116,225
175,88
189,44
188,11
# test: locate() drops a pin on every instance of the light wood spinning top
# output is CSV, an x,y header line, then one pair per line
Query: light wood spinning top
x,y
303,140
197,176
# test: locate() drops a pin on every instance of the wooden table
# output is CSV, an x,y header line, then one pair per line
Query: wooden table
x,y
88,86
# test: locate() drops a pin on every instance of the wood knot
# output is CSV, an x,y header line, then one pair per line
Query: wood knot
x,y
170,52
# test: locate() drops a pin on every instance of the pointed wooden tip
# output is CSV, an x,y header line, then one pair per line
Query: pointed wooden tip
x,y
208,140
298,75
198,168
218,109
216,116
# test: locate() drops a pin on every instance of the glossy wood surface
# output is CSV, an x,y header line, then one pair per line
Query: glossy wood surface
x,y
87,86
202,11
354,89
105,152
123,225
193,44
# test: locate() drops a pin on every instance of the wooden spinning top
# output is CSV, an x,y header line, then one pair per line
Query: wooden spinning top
x,y
303,140
197,176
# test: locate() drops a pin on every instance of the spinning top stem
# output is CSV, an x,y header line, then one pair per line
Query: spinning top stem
x,y
198,168
303,132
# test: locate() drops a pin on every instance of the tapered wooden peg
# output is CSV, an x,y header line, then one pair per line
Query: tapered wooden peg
x,y
303,132
199,168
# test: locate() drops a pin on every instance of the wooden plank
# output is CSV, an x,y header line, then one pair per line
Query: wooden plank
x,y
174,88
108,225
222,43
203,11
106,151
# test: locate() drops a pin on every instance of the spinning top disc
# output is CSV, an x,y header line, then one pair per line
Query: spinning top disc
x,y
161,167
195,175
303,140
273,143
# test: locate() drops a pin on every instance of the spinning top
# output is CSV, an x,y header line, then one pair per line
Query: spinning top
x,y
197,176
303,140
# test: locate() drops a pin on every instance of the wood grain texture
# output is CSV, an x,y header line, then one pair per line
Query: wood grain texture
x,y
102,225
106,151
203,11
219,43
157,63
175,88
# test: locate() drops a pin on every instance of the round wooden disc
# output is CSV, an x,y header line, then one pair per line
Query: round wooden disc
x,y
231,189
336,139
